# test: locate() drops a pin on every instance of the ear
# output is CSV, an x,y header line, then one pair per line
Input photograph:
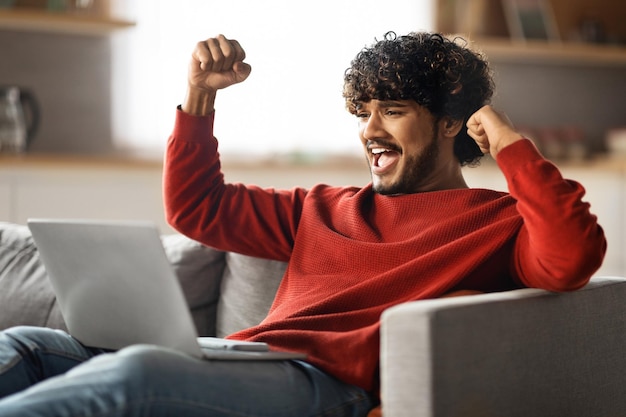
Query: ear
x,y
449,128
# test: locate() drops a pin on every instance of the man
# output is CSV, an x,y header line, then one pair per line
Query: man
x,y
417,231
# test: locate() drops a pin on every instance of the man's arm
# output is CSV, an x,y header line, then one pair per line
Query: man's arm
x,y
197,201
560,244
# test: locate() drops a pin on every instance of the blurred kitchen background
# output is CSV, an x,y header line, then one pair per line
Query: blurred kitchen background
x,y
108,74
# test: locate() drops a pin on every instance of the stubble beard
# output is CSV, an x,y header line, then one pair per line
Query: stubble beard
x,y
417,168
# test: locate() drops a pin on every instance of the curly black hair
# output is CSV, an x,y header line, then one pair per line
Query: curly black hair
x,y
443,75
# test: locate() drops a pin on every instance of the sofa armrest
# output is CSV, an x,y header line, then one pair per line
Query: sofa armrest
x,y
525,352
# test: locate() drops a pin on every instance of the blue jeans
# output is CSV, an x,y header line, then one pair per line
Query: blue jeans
x,y
46,372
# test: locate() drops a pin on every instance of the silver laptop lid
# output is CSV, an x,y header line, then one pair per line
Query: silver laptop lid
x,y
114,283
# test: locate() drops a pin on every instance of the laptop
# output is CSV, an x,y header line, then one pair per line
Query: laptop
x,y
116,287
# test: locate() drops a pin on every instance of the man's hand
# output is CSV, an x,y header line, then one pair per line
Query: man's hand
x,y
492,131
215,64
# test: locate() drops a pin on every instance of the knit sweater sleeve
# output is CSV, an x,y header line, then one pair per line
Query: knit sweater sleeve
x,y
560,244
230,217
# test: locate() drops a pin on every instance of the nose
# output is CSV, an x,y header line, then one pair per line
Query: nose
x,y
372,127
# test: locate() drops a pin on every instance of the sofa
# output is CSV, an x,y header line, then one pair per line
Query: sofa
x,y
523,353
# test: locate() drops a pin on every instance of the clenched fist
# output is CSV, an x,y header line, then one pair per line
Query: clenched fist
x,y
216,63
491,130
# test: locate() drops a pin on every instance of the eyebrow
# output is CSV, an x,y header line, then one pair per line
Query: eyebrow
x,y
383,104
394,103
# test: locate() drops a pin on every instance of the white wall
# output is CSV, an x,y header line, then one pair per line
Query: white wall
x,y
298,51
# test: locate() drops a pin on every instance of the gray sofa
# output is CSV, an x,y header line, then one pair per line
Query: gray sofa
x,y
518,353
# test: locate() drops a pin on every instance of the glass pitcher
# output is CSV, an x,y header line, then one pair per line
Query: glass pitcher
x,y
19,119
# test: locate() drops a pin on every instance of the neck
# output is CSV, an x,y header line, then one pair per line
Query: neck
x,y
447,181
446,175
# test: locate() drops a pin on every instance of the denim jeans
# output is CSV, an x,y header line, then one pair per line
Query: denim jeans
x,y
46,372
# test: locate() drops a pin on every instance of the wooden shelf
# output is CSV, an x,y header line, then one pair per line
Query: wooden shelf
x,y
552,53
490,29
57,22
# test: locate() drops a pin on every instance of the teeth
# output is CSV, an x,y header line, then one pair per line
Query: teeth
x,y
376,151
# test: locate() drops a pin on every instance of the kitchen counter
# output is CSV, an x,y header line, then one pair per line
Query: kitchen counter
x,y
152,160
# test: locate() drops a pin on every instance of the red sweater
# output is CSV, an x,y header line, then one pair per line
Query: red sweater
x,y
353,253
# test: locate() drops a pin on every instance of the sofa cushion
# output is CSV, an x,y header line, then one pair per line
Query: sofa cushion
x,y
26,296
247,292
199,269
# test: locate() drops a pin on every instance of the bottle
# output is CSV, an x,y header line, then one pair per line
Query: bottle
x,y
12,123
19,118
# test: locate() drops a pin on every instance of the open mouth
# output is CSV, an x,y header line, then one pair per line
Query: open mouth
x,y
383,159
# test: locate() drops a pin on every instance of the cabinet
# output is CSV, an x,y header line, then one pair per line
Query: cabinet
x,y
66,187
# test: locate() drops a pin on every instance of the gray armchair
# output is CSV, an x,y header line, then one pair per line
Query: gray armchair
x,y
519,353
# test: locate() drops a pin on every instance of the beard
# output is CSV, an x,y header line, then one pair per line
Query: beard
x,y
417,168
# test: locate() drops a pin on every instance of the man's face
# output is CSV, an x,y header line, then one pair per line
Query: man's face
x,y
400,139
